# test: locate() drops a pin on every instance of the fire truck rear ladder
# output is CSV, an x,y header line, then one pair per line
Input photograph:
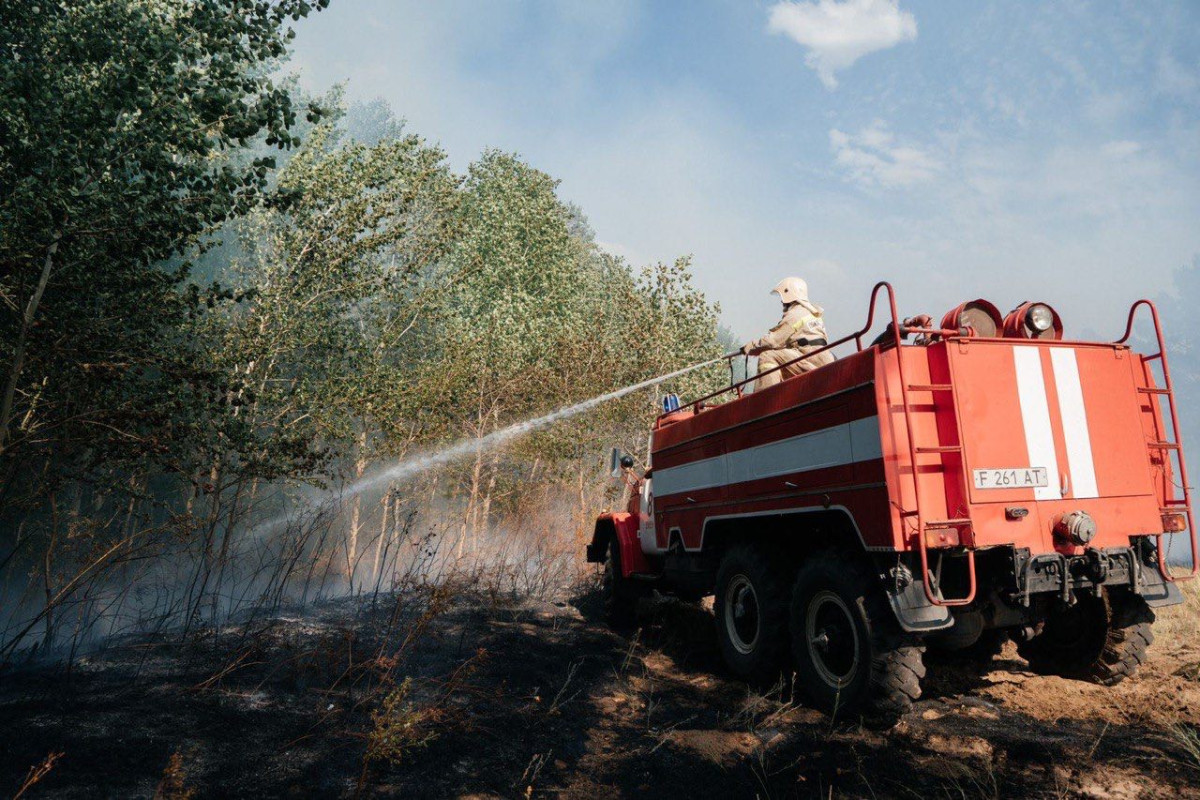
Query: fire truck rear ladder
x,y
1173,505
914,450
923,525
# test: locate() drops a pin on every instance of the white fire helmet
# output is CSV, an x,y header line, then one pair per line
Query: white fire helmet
x,y
792,290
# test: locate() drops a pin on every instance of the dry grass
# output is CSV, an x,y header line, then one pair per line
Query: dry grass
x,y
1188,739
1176,625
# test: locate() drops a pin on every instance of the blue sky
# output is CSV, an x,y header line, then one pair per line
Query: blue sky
x,y
1009,150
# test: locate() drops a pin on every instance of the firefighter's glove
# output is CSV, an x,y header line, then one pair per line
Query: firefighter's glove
x,y
748,349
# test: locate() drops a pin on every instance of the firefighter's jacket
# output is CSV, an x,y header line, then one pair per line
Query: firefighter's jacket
x,y
802,326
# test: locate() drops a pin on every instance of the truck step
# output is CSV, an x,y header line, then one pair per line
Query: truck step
x,y
947,523
930,387
1148,390
949,448
1164,445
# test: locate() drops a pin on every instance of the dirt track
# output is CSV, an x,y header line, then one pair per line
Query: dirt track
x,y
549,704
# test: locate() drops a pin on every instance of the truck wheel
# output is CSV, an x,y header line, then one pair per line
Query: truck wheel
x,y
989,646
851,657
981,653
620,598
1099,639
751,610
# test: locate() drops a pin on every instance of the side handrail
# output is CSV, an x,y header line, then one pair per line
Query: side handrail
x,y
1161,356
857,336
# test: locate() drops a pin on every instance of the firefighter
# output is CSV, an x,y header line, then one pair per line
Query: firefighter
x,y
802,330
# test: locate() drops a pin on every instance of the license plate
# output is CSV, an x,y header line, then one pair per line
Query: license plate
x,y
1016,478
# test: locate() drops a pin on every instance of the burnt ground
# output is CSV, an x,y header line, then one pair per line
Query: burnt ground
x,y
432,696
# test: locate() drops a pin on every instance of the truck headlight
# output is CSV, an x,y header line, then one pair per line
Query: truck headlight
x,y
1032,320
1040,317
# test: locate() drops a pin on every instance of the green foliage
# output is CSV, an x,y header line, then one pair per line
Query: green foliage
x,y
514,283
337,269
117,122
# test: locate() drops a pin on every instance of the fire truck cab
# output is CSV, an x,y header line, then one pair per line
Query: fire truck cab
x,y
949,486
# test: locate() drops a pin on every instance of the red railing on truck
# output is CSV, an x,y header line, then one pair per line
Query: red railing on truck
x,y
1167,446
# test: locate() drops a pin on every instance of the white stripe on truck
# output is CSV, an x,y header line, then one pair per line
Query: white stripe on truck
x,y
1080,464
1035,414
829,447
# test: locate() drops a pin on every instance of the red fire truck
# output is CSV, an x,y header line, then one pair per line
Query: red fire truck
x,y
951,486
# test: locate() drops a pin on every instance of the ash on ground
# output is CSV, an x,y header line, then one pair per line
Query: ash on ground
x,y
437,694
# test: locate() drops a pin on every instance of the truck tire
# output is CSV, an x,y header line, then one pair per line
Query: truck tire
x,y
1098,639
751,610
980,654
851,657
620,598
988,647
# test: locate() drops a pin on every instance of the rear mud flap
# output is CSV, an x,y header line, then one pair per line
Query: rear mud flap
x,y
1154,590
915,613
1164,594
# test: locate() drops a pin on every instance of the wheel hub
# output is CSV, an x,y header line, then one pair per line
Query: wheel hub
x,y
742,614
833,639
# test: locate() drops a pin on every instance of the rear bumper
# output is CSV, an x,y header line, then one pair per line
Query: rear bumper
x,y
1015,584
1111,567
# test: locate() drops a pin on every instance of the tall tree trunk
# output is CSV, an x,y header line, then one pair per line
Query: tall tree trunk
x,y
48,576
485,514
14,373
472,499
198,586
360,466
383,529
223,556
581,525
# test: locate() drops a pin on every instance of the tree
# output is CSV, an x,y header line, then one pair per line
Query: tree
x,y
336,279
537,316
119,120
122,128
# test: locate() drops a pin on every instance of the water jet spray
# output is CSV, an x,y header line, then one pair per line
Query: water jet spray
x,y
412,466
408,467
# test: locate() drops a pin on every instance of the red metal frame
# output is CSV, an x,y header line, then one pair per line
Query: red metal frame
x,y
1186,501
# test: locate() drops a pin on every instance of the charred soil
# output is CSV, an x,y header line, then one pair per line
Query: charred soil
x,y
434,694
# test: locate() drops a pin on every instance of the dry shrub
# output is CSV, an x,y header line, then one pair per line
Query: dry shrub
x,y
173,785
401,725
316,662
412,715
37,772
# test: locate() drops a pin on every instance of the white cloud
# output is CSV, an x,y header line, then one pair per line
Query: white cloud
x,y
872,157
839,33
